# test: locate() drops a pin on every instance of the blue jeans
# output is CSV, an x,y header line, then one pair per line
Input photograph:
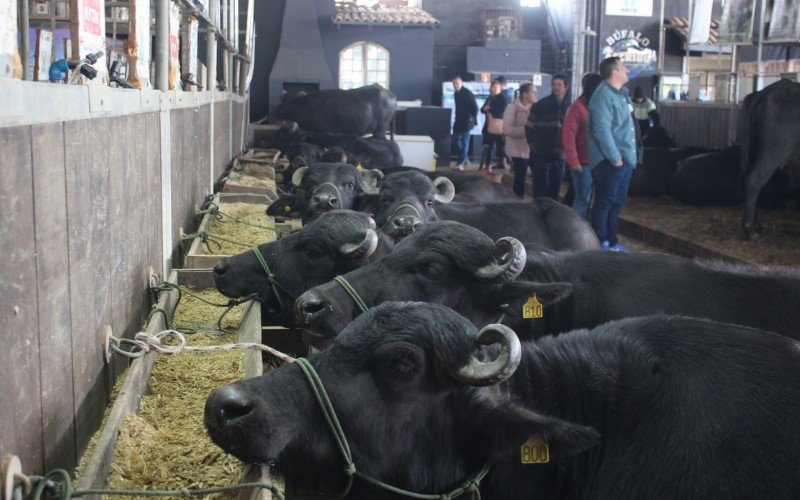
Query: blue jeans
x,y
582,185
520,171
547,176
462,146
611,192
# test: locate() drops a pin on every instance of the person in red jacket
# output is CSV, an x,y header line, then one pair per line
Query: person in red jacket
x,y
573,139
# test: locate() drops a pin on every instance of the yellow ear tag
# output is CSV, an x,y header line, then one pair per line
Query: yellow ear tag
x,y
534,451
287,208
532,308
359,167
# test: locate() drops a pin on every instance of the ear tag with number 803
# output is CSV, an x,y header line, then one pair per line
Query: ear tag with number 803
x,y
534,451
532,308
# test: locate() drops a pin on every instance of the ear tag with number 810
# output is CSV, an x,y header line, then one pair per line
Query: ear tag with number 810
x,y
534,451
532,308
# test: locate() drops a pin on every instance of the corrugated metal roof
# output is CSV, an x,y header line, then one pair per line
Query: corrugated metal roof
x,y
351,13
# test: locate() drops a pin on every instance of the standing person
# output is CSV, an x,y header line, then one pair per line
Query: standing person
x,y
466,118
645,111
517,147
544,136
573,139
494,107
613,150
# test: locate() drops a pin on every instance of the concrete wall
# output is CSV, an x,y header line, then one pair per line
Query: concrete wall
x,y
97,183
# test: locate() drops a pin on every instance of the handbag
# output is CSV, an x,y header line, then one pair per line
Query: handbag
x,y
495,126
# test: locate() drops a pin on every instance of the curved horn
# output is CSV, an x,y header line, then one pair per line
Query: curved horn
x,y
511,257
362,249
481,374
371,223
369,181
445,190
297,176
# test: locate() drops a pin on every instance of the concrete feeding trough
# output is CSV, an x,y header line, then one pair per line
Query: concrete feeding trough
x,y
285,225
137,377
195,258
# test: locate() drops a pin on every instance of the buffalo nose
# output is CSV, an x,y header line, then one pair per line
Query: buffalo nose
x,y
406,222
325,200
221,268
226,405
309,306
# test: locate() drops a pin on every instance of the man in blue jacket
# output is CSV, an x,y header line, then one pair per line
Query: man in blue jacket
x,y
614,150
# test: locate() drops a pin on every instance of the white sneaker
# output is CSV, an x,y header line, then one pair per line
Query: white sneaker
x,y
458,167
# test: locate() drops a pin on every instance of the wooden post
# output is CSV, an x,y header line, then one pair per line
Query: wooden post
x,y
139,44
174,47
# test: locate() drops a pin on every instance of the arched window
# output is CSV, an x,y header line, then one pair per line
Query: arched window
x,y
363,63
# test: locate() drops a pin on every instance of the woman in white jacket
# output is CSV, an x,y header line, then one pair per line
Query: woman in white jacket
x,y
517,146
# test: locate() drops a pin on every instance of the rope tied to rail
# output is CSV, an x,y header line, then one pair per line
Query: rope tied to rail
x,y
145,343
207,237
214,211
58,484
342,281
166,286
470,485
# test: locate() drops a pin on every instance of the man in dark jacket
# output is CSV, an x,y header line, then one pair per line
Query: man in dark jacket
x,y
544,135
466,118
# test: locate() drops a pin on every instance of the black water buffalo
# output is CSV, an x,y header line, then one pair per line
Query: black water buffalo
x,y
406,200
370,152
713,179
335,243
654,407
320,187
311,153
357,112
652,178
771,140
458,266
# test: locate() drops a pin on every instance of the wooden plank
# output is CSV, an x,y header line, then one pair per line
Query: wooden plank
x,y
52,270
232,187
135,385
20,405
89,266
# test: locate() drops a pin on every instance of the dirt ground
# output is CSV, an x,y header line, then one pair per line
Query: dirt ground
x,y
717,228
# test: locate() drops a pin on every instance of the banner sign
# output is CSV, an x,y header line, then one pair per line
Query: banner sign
x,y
89,36
736,25
174,47
189,43
634,8
10,63
700,24
784,24
635,49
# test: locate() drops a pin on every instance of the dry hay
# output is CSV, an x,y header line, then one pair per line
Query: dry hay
x,y
164,446
229,229
717,228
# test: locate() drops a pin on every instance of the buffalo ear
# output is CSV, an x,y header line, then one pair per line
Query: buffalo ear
x,y
508,426
291,207
546,293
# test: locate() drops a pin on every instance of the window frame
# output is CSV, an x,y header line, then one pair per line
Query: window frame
x,y
364,62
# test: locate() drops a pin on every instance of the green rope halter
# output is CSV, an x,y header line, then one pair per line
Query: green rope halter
x,y
276,286
352,293
402,206
471,486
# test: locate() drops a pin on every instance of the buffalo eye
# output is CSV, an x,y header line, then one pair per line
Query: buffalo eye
x,y
433,272
401,364
349,185
429,203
